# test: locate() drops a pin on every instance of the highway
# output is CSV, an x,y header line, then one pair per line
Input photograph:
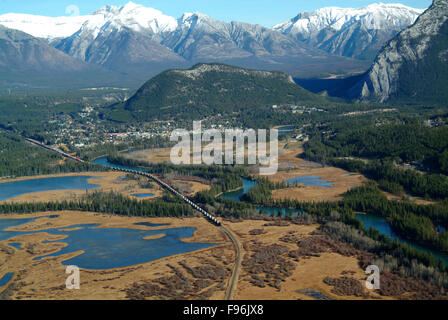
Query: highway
x,y
233,281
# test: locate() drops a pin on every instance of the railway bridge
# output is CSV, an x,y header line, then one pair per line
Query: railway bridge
x,y
206,215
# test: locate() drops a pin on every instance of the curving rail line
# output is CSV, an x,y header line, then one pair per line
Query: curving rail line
x,y
233,281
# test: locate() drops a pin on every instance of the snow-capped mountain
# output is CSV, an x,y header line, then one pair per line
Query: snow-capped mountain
x,y
43,27
199,37
133,38
140,42
132,16
123,38
351,32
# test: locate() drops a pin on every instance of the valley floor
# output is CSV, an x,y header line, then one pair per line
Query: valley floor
x,y
202,274
281,259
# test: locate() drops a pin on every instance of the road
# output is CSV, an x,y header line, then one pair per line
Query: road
x,y
233,281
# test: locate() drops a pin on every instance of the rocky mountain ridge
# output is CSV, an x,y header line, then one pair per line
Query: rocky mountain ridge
x,y
414,64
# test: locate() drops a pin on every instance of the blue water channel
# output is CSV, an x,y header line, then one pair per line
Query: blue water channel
x,y
9,190
271,211
109,248
104,162
383,227
376,222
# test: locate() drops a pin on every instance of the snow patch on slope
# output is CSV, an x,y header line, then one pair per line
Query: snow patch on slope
x,y
43,27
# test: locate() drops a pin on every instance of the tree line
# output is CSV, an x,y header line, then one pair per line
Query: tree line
x,y
111,203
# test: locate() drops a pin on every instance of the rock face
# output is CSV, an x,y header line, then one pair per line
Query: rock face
x,y
200,37
413,66
25,59
122,50
359,33
24,52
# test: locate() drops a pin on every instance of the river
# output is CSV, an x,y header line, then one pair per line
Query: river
x,y
368,220
384,228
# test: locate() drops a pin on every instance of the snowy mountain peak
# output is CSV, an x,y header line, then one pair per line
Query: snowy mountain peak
x,y
374,16
190,16
350,32
191,20
43,27
132,16
110,9
128,9
130,6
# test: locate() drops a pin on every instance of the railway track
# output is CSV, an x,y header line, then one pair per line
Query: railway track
x,y
233,281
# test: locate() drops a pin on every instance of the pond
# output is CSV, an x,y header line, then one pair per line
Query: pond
x,y
109,248
271,211
309,181
143,195
8,223
16,245
285,164
6,278
9,190
285,130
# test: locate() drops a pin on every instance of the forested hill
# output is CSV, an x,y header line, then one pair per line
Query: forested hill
x,y
210,89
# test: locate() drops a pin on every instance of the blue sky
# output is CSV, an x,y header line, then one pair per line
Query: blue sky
x,y
264,12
